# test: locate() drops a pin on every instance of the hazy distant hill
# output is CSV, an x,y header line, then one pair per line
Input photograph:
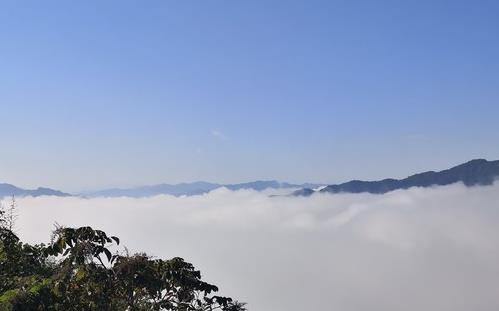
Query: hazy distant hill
x,y
9,190
194,188
261,185
145,191
472,173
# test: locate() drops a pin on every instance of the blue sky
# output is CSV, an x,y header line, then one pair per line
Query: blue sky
x,y
118,93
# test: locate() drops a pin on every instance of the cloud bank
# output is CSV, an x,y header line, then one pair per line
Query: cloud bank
x,y
412,250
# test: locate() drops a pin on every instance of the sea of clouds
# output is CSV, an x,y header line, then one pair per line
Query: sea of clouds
x,y
419,249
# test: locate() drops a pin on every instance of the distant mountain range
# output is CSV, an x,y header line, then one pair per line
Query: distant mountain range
x,y
473,173
9,190
187,189
193,188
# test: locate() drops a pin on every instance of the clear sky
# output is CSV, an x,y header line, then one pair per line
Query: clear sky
x,y
118,93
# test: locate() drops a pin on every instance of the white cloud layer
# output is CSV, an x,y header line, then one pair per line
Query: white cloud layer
x,y
412,250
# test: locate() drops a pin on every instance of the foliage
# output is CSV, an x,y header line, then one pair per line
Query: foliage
x,y
78,271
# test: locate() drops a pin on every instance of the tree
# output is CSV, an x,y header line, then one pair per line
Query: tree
x,y
8,215
11,214
77,271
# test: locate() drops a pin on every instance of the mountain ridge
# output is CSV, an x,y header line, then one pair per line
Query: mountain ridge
x,y
472,173
11,190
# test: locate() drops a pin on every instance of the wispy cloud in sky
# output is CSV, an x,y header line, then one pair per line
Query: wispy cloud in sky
x,y
218,135
411,250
